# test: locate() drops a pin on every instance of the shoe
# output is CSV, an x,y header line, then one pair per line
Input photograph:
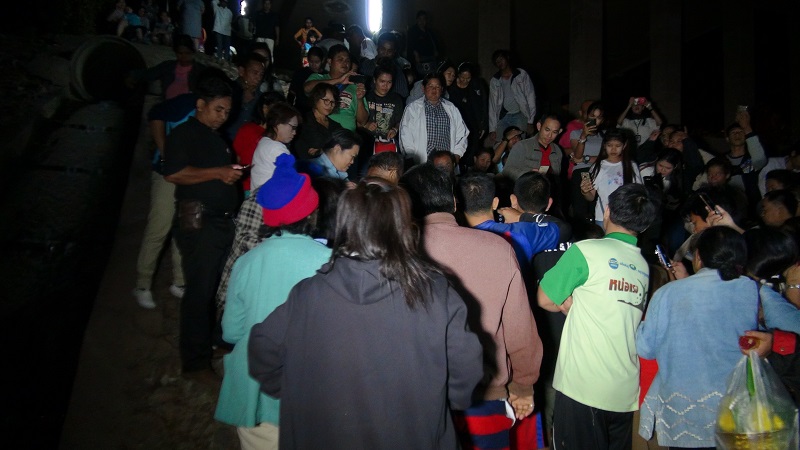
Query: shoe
x,y
176,290
144,298
204,376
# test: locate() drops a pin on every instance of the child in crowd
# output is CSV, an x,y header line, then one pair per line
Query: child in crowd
x,y
302,34
312,39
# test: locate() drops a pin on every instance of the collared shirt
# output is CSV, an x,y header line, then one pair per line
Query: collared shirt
x,y
437,123
328,169
546,155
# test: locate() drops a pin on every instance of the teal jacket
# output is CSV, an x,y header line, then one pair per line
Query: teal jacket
x,y
260,282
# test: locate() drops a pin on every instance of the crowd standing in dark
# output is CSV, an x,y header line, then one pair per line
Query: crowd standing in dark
x,y
385,267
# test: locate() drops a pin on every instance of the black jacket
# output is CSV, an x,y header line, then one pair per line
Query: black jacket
x,y
356,368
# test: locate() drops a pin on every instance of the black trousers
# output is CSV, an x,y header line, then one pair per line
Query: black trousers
x,y
203,254
580,427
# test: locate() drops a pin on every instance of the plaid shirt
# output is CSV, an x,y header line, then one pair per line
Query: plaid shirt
x,y
248,223
437,123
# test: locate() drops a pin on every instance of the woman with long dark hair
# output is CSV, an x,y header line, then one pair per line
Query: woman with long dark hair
x,y
373,350
613,168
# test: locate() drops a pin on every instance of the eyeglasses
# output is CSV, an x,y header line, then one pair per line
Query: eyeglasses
x,y
294,127
328,102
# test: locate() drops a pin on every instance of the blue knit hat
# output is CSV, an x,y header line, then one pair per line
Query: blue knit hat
x,y
287,197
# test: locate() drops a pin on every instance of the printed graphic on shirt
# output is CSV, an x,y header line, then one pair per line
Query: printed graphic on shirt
x,y
634,292
345,100
383,115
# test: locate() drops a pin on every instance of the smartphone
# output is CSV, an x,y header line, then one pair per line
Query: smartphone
x,y
544,169
704,197
662,258
591,123
246,167
586,177
357,79
741,108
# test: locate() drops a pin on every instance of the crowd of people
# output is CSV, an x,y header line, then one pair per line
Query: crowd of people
x,y
400,255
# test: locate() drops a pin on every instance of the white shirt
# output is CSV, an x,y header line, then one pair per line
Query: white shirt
x,y
267,151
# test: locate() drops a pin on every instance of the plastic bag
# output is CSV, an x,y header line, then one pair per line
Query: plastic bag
x,y
757,412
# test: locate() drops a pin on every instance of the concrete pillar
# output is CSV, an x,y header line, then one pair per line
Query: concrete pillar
x,y
738,56
494,32
585,52
666,41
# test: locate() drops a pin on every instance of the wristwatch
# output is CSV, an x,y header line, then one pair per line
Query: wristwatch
x,y
582,141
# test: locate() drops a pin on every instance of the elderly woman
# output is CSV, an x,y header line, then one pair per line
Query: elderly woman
x,y
692,329
338,154
318,126
260,282
432,123
373,350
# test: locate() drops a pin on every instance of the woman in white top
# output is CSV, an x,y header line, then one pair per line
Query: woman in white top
x,y
613,168
282,122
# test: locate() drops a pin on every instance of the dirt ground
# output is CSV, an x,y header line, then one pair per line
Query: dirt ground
x,y
128,392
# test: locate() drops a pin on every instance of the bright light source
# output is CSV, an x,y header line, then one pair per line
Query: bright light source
x,y
243,8
374,15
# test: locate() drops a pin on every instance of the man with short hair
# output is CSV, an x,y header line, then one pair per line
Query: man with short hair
x,y
386,165
360,44
200,163
530,203
488,277
352,109
539,153
512,99
387,56
478,202
602,285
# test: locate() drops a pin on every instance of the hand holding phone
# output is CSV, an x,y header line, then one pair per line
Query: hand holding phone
x,y
662,258
355,79
709,204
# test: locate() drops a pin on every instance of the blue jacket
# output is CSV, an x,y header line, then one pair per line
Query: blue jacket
x,y
260,282
527,238
692,329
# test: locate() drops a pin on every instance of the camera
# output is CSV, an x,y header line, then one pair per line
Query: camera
x,y
639,101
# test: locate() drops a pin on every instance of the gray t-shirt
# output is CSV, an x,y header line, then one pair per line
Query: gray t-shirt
x,y
509,102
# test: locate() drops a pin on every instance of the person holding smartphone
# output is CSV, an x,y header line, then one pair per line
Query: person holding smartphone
x,y
614,167
585,144
352,109
640,118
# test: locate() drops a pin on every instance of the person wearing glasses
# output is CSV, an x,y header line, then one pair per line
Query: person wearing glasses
x,y
317,126
351,111
282,123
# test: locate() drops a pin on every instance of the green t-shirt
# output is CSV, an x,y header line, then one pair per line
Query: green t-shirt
x,y
597,363
345,114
